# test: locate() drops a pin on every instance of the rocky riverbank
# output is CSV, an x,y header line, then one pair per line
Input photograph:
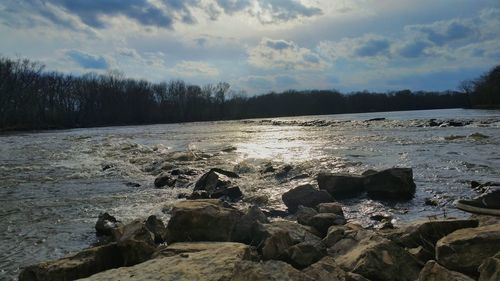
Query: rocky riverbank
x,y
212,236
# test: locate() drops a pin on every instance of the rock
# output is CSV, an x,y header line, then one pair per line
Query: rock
x,y
284,171
381,217
304,214
323,221
135,251
432,271
80,265
212,264
202,220
135,230
275,213
395,183
377,258
217,184
341,185
375,119
277,237
157,227
164,180
335,233
431,202
334,208
489,270
248,225
306,253
328,270
426,234
464,250
268,270
105,224
305,195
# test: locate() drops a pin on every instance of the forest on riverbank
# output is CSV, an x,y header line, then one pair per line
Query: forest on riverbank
x,y
33,98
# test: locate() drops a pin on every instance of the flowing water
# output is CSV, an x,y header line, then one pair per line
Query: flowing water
x,y
55,183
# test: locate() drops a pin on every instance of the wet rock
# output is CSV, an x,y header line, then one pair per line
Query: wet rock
x,y
304,254
284,171
105,224
341,185
268,169
157,227
202,220
431,202
323,221
334,208
275,213
305,195
214,263
135,230
377,258
464,250
395,183
375,119
268,270
135,251
381,217
257,199
489,270
217,184
80,265
334,234
164,180
305,214
426,234
299,177
432,271
478,136
328,270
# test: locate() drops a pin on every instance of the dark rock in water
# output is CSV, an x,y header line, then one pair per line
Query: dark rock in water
x,y
431,202
183,172
432,271
334,208
268,169
323,221
202,220
489,270
106,167
369,172
305,214
328,270
466,249
105,224
341,185
375,119
217,185
299,177
305,195
164,180
433,123
381,217
275,213
377,258
395,183
132,184
199,194
80,265
284,171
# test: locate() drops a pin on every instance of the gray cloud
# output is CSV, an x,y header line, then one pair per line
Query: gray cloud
x,y
87,61
232,6
373,47
279,44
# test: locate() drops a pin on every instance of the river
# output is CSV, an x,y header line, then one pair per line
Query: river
x,y
55,183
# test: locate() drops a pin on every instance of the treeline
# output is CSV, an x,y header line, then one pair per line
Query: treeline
x,y
484,91
32,98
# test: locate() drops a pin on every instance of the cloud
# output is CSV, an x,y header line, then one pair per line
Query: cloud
x,y
87,61
373,47
194,68
368,47
274,11
232,6
412,48
285,55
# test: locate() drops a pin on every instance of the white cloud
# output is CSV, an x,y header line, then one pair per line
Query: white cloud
x,y
194,68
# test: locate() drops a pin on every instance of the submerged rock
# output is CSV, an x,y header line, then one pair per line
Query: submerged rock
x,y
105,224
164,179
305,195
464,250
432,271
394,183
202,220
216,183
341,185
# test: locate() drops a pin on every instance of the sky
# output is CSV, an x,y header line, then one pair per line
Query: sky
x,y
260,46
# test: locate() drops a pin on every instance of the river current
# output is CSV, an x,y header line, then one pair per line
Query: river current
x,y
54,184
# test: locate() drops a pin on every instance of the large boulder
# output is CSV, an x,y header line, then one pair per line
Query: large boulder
x,y
432,271
334,234
202,220
105,224
306,253
80,265
341,185
305,195
423,236
323,221
305,214
377,258
489,270
245,230
268,270
217,184
328,270
464,250
333,207
210,264
394,183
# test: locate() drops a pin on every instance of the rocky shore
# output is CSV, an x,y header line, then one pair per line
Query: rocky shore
x,y
211,236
